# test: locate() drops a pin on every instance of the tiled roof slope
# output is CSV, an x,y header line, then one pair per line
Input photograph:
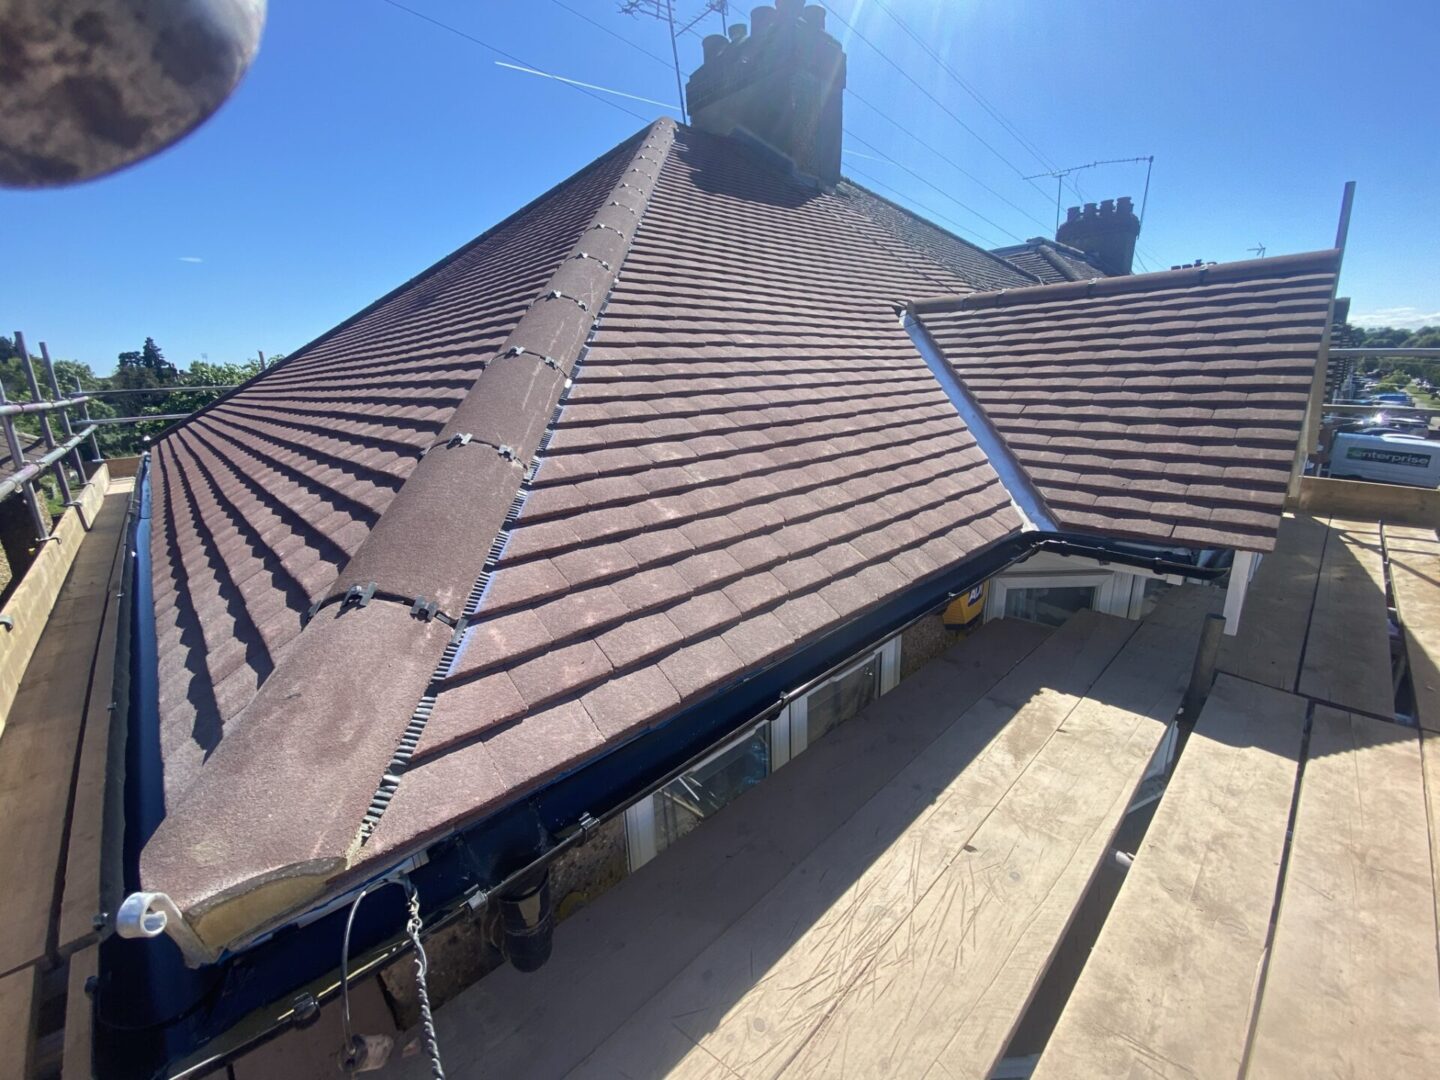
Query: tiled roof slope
x,y
752,452
1164,407
981,269
258,501
1049,262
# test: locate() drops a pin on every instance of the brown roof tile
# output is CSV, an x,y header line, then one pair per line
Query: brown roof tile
x,y
1152,406
752,452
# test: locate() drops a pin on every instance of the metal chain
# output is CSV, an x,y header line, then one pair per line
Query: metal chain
x,y
353,1044
432,1042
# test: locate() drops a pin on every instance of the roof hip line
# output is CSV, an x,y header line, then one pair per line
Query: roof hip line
x,y
425,545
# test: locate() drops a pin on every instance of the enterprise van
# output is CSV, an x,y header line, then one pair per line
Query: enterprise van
x,y
1390,458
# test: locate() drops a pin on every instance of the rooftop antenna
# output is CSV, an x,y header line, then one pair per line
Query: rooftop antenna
x,y
1258,250
1059,175
664,11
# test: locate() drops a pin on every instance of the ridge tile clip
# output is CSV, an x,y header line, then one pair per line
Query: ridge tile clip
x,y
506,452
460,438
423,609
358,595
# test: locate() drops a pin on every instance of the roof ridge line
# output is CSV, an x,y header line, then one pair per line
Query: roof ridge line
x,y
1062,268
1324,259
434,268
510,405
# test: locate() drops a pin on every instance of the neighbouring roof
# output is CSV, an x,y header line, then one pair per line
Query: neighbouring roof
x,y
1050,261
647,437
1159,406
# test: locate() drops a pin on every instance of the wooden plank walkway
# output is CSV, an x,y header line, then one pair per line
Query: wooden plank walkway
x,y
39,748
1414,558
1353,987
1316,621
625,948
1169,986
975,855
1271,641
1347,651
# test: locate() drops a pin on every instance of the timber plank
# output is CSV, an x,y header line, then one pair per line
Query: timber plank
x,y
19,995
751,999
622,949
1268,647
80,900
618,952
1430,766
1347,653
1168,989
77,1064
1352,987
40,743
31,605
943,995
1414,556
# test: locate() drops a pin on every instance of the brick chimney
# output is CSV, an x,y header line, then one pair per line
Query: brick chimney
x,y
781,84
1106,233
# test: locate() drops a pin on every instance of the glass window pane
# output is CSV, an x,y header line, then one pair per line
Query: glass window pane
x,y
1049,604
692,797
840,699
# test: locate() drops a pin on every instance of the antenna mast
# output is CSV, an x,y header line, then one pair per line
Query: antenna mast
x,y
664,11
1059,176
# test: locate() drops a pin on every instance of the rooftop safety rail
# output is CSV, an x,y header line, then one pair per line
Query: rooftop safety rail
x,y
22,472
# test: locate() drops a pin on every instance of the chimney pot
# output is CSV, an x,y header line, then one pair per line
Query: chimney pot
x,y
778,83
713,45
1106,233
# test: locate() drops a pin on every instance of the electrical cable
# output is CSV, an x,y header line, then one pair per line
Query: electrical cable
x,y
613,33
927,209
943,157
900,165
413,926
512,57
979,98
943,107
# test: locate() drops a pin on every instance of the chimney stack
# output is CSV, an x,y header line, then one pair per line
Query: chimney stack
x,y
1106,233
781,84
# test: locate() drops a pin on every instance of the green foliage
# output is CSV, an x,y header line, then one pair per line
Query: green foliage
x,y
1396,371
140,369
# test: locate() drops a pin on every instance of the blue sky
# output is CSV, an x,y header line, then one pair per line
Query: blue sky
x,y
366,143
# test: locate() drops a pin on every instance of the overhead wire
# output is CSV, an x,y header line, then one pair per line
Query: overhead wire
x,y
513,58
914,202
942,106
928,183
943,157
613,33
980,99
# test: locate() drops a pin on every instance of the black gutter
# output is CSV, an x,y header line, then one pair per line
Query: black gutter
x,y
253,992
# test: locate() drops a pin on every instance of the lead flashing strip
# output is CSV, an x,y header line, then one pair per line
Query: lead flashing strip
x,y
1025,497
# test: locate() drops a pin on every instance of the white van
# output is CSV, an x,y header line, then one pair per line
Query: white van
x,y
1389,458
